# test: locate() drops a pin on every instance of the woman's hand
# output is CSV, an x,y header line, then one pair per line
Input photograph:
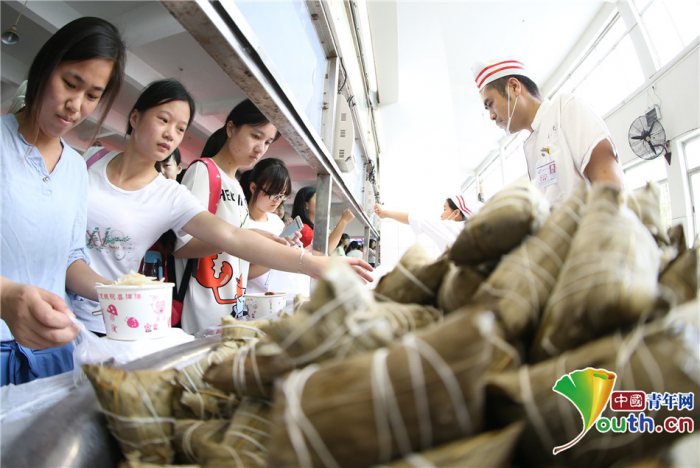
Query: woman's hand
x,y
314,265
378,210
37,318
347,216
361,267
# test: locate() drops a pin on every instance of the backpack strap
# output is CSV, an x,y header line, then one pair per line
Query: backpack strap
x,y
214,183
99,154
214,196
185,283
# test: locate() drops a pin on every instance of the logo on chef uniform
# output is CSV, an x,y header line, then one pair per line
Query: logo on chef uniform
x,y
546,168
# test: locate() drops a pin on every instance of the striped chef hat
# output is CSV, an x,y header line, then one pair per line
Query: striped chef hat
x,y
461,203
485,73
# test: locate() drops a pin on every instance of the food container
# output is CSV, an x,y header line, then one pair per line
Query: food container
x,y
136,312
265,306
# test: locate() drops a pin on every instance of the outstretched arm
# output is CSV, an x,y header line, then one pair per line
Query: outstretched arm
x,y
400,216
253,247
337,232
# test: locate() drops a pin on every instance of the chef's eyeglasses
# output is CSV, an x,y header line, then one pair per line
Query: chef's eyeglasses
x,y
280,197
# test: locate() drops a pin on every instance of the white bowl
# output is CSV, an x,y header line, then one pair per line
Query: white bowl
x,y
263,306
136,312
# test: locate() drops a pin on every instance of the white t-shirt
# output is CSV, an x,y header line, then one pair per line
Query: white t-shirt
x,y
123,224
441,232
218,288
270,280
338,251
275,280
355,253
565,131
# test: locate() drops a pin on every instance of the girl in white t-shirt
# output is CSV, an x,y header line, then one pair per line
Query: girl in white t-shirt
x,y
130,204
266,186
218,287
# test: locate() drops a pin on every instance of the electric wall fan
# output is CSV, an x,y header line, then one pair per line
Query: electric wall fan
x,y
647,137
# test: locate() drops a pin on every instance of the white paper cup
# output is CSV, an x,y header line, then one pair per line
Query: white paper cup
x,y
136,312
265,307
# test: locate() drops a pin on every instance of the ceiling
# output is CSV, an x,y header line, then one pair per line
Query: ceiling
x,y
423,51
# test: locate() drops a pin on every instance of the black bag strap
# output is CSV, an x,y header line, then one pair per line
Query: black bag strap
x,y
185,283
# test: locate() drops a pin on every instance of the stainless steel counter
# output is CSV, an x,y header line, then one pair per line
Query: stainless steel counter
x,y
73,432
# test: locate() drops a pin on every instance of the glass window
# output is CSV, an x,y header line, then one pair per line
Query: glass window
x,y
692,153
691,149
639,173
695,198
670,24
656,170
609,73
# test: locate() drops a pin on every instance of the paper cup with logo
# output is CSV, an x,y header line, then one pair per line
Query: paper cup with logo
x,y
262,306
136,312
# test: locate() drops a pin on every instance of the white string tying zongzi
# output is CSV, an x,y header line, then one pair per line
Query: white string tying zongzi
x,y
533,412
387,413
256,443
234,456
138,422
504,346
242,326
148,404
193,390
563,404
187,440
412,278
298,425
257,459
238,369
449,380
422,404
386,405
314,318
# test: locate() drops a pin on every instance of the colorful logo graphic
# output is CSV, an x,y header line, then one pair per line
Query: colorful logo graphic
x,y
627,400
589,391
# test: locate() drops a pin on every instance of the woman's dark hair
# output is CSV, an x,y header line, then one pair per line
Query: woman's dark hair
x,y
82,39
500,85
161,92
245,113
343,236
453,206
270,176
174,155
354,245
214,143
299,208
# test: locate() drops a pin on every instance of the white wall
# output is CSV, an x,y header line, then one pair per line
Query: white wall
x,y
676,90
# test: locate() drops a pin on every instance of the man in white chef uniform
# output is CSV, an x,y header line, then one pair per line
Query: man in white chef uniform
x,y
568,142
